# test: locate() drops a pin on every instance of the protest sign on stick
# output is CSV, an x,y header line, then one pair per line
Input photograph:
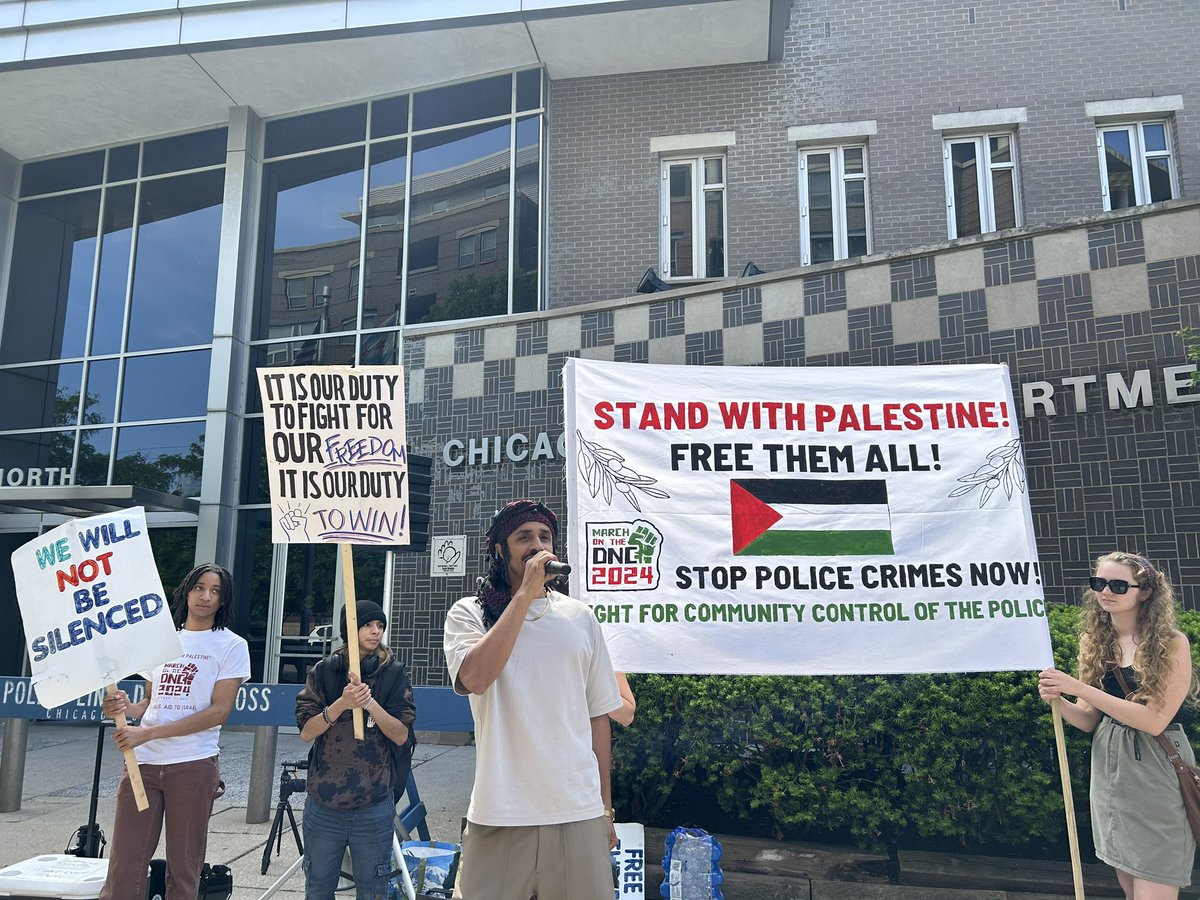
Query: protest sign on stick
x,y
1064,772
807,521
94,611
337,465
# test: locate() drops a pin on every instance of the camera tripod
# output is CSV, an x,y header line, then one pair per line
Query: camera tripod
x,y
290,784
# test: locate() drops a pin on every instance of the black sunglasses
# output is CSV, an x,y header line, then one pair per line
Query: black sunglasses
x,y
1116,585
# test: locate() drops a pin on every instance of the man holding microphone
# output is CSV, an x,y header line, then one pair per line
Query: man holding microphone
x,y
534,664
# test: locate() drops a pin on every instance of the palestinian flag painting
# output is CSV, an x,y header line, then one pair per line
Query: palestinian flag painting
x,y
810,517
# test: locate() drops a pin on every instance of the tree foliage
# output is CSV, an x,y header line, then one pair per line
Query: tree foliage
x,y
171,473
1191,344
471,296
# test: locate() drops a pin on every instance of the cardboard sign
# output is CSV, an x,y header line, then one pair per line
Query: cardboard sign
x,y
803,520
337,458
629,862
93,606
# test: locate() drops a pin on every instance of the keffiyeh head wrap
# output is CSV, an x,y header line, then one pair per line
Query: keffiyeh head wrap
x,y
516,514
494,592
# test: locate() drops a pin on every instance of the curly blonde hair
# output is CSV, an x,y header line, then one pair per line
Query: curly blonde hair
x,y
1099,650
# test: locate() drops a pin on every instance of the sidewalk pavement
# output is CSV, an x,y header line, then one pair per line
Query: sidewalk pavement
x,y
58,787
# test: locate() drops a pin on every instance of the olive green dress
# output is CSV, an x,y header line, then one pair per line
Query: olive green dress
x,y
1138,821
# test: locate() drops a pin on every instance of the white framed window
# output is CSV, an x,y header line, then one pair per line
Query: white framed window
x,y
466,251
322,289
297,292
487,245
981,183
350,323
692,210
1136,163
423,255
835,221
282,354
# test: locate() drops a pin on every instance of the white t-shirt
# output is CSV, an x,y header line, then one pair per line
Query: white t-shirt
x,y
534,763
185,686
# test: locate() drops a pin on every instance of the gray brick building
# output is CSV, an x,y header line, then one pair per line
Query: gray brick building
x,y
896,64
189,192
1078,313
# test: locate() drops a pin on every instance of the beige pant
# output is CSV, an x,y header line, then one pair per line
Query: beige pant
x,y
550,862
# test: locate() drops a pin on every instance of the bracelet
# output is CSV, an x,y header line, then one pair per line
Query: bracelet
x,y
325,716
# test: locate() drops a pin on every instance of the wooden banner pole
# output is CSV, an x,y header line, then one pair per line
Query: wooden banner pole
x,y
1064,771
352,627
131,763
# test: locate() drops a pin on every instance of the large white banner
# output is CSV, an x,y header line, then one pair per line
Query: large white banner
x,y
803,520
93,606
337,459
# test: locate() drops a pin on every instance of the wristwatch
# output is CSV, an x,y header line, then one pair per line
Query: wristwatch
x,y
611,813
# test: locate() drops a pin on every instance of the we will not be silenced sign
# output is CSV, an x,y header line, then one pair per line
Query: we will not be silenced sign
x,y
93,606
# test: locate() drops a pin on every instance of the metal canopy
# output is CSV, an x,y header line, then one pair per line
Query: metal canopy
x,y
125,70
79,501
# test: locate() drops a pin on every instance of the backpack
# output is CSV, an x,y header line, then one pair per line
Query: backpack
x,y
401,753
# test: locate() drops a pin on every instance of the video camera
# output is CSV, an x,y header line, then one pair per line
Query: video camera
x,y
289,783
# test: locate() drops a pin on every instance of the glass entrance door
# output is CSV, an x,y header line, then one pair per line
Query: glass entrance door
x,y
307,597
12,638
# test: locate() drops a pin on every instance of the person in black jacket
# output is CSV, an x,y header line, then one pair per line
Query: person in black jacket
x,y
353,785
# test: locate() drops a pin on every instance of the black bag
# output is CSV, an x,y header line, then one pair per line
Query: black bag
x,y
216,882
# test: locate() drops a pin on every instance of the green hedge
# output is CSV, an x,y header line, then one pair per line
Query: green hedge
x,y
884,762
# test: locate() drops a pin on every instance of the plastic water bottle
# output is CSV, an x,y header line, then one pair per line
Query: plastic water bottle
x,y
691,869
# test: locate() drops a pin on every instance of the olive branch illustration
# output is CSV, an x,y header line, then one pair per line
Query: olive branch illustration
x,y
605,470
1004,468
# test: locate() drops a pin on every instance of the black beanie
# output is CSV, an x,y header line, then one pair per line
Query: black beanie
x,y
368,611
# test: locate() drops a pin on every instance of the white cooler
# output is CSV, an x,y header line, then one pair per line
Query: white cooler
x,y
54,875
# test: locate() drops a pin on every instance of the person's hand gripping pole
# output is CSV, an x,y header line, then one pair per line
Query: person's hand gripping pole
x,y
114,706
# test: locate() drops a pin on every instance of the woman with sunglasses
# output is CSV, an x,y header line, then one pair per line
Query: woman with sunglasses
x,y
1139,826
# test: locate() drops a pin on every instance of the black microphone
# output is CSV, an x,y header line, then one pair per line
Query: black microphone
x,y
555,568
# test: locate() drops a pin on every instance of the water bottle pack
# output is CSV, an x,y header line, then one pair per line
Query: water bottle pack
x,y
692,866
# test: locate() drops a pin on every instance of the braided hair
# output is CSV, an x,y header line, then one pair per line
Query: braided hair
x,y
179,601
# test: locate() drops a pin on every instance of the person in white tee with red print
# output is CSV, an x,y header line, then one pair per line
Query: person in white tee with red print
x,y
176,741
